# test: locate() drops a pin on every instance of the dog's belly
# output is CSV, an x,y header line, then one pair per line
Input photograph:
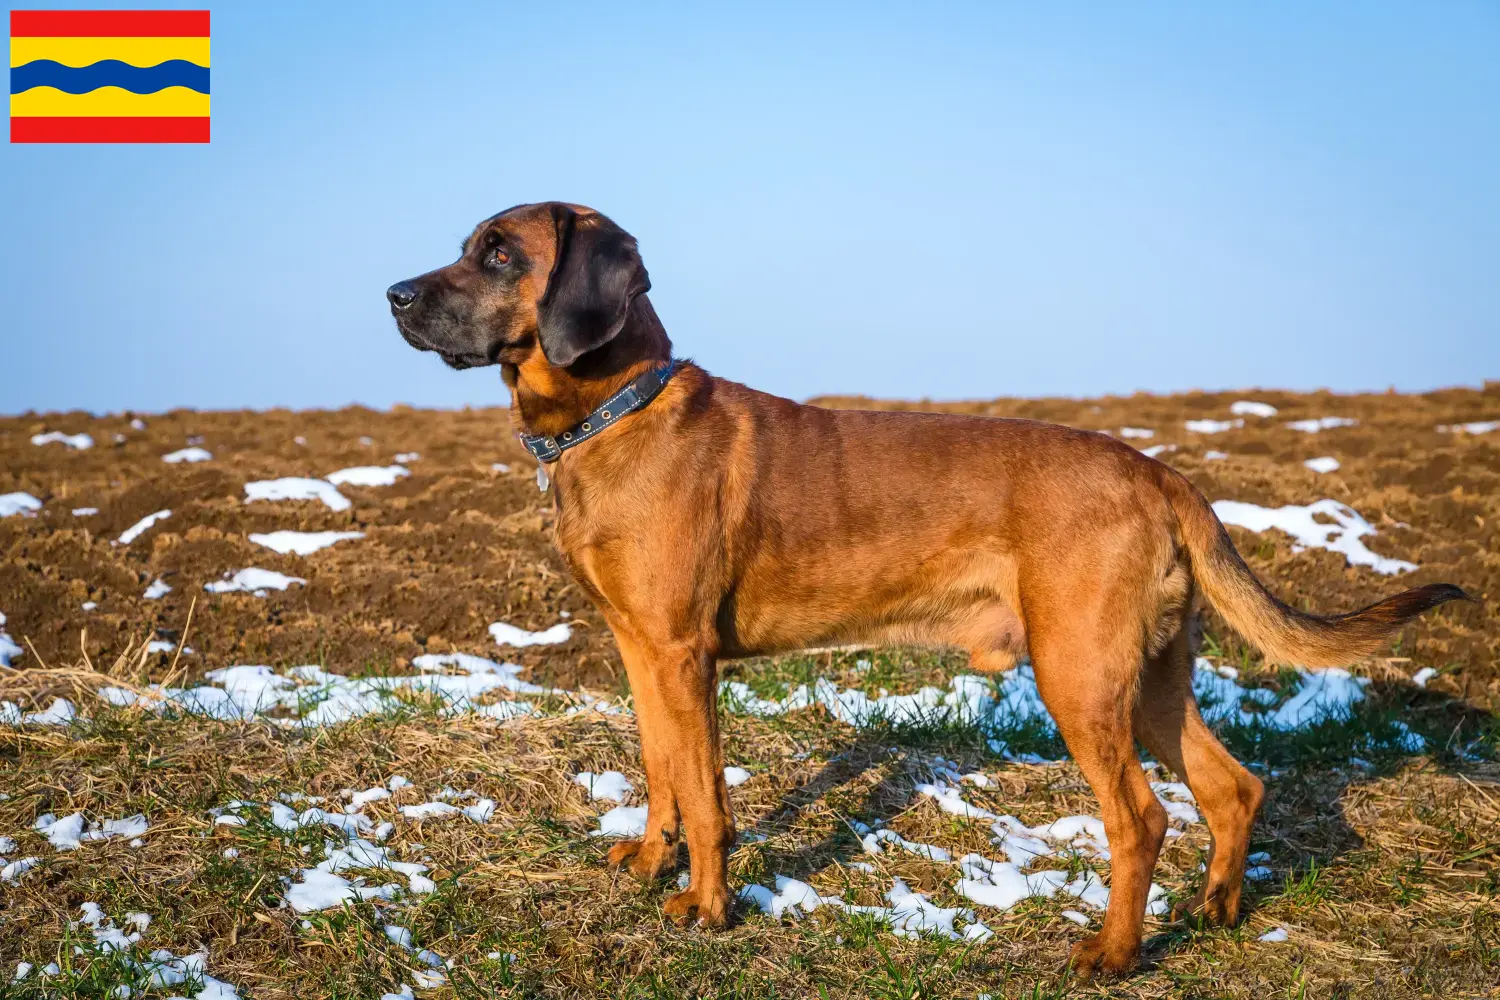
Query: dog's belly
x,y
964,598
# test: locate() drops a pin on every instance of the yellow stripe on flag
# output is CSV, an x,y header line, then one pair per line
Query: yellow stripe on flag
x,y
109,102
87,51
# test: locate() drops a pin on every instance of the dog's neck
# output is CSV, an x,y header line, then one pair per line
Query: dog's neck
x,y
549,400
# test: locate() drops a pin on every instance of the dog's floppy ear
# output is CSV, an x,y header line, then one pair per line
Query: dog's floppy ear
x,y
596,272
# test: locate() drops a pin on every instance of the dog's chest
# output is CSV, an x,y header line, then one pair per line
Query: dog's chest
x,y
616,543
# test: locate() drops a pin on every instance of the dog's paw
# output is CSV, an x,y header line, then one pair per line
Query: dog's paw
x,y
1097,956
1205,910
710,907
646,859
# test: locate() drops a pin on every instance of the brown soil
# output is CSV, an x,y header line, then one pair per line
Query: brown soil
x,y
459,545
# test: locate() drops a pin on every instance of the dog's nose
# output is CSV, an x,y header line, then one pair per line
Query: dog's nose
x,y
402,294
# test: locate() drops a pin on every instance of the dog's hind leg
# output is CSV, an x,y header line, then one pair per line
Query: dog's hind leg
x,y
1087,661
656,851
1168,723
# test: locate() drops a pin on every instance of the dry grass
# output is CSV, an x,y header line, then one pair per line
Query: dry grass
x,y
1387,882
1385,879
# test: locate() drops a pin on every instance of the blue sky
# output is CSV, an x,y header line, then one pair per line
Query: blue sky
x,y
946,201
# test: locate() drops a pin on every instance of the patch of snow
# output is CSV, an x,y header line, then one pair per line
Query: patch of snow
x,y
909,915
429,810
320,698
1326,463
949,800
89,605
368,475
1136,432
129,827
78,442
735,776
1212,426
297,488
360,799
481,811
1215,456
622,821
25,504
510,635
503,710
407,456
322,890
12,872
791,896
872,844
970,699
161,967
321,887
9,651
1342,536
85,511
194,454
1322,694
59,713
978,931
63,834
499,467
1421,677
1321,424
252,580
1476,427
302,542
1158,449
1250,408
1075,916
611,785
139,528
1274,935
158,589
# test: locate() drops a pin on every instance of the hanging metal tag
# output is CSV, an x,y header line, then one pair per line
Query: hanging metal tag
x,y
541,477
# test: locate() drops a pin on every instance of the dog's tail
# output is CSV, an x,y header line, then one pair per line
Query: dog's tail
x,y
1282,633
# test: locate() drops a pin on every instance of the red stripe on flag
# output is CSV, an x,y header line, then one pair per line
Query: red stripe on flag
x,y
109,130
109,24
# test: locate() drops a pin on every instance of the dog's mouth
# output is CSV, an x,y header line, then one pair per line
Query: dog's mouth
x,y
462,360
456,359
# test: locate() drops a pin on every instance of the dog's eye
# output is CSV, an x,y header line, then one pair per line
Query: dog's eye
x,y
498,256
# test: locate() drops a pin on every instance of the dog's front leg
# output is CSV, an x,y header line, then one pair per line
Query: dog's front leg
x,y
656,852
686,693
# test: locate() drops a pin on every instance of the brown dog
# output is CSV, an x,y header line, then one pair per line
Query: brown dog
x,y
719,521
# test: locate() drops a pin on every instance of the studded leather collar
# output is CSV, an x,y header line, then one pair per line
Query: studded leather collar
x,y
642,390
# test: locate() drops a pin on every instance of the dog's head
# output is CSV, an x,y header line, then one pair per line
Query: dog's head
x,y
549,277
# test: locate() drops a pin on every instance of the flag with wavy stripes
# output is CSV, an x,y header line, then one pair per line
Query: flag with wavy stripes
x,y
109,76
